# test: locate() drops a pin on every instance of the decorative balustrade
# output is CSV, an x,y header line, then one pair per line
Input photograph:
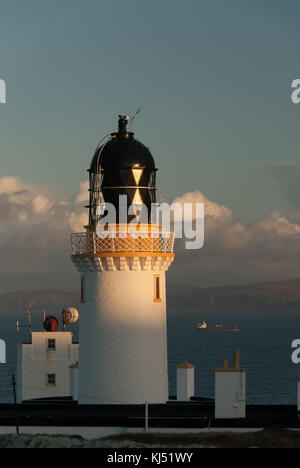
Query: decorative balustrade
x,y
93,243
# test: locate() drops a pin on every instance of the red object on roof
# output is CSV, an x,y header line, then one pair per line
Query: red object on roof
x,y
51,324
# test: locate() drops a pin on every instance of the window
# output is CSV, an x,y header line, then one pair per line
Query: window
x,y
82,299
52,345
157,289
51,378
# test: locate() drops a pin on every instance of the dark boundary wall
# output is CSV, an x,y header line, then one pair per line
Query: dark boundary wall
x,y
171,415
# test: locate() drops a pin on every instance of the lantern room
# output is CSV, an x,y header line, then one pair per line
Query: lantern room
x,y
121,166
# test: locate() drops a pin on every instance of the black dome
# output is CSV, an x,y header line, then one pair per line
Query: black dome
x,y
122,166
121,153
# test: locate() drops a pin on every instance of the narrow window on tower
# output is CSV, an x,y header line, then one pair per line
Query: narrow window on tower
x,y
157,289
82,300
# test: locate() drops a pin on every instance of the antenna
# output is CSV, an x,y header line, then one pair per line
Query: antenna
x,y
29,319
134,117
14,386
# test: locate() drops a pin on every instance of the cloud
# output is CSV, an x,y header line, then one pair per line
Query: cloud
x,y
35,232
213,210
77,221
235,253
41,204
83,194
35,248
10,185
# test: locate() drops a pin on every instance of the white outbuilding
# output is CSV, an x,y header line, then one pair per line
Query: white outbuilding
x,y
43,364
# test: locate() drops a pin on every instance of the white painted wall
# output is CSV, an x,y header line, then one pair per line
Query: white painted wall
x,y
230,395
35,362
74,382
185,383
123,340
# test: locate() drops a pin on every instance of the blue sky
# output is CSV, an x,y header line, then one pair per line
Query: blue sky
x,y
212,78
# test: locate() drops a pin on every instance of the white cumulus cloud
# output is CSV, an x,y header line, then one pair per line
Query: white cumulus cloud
x,y
41,204
35,248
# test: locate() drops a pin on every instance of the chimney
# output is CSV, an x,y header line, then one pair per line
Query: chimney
x,y
185,381
230,390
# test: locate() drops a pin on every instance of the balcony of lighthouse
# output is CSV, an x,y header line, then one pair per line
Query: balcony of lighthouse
x,y
127,239
123,247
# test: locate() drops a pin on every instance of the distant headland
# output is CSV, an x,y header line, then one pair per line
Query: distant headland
x,y
269,295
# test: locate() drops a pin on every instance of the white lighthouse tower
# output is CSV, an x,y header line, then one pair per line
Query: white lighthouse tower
x,y
123,336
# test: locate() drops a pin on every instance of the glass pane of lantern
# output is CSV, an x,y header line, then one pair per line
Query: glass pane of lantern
x,y
137,199
137,174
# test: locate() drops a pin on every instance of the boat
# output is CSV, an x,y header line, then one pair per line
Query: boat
x,y
204,327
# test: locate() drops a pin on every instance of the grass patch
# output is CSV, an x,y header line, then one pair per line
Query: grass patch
x,y
267,438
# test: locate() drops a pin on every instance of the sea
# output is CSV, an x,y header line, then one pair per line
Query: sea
x,y
264,343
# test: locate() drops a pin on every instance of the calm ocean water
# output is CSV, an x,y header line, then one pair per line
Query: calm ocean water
x,y
264,342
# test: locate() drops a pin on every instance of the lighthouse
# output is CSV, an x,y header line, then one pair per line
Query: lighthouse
x,y
123,332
